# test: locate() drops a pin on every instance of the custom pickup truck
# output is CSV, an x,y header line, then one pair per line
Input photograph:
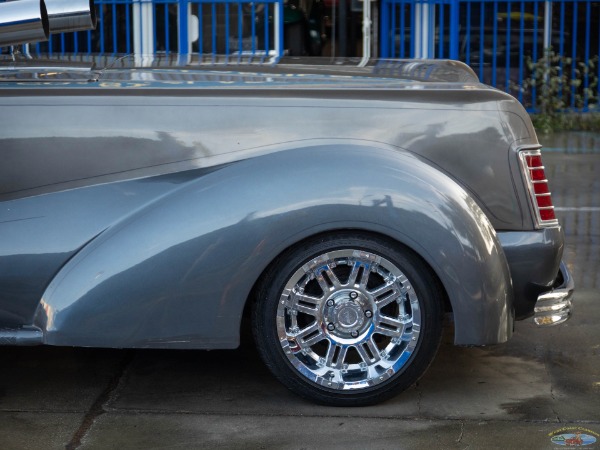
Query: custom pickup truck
x,y
342,210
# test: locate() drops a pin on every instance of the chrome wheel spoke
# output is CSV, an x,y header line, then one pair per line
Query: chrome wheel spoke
x,y
393,295
352,278
308,331
380,290
390,322
314,339
366,273
306,299
306,304
311,310
373,348
394,326
389,326
323,284
368,351
388,332
332,277
338,352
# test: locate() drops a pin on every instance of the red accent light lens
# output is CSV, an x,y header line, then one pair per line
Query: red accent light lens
x,y
547,214
544,201
541,188
538,174
540,192
534,161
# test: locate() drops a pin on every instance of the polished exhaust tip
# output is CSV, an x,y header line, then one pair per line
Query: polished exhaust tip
x,y
23,21
27,21
71,15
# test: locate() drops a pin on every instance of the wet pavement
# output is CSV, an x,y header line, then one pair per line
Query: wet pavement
x,y
509,396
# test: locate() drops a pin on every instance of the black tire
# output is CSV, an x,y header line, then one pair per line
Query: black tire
x,y
348,319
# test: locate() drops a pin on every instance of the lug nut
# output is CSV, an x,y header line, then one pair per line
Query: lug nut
x,y
368,313
353,295
354,334
330,326
330,303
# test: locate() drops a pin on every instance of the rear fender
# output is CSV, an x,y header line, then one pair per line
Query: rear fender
x,y
178,272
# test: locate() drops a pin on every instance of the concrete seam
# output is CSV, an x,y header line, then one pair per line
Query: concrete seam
x,y
547,368
138,411
99,407
41,411
419,398
462,431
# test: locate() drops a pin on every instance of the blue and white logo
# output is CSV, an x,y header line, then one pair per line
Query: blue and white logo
x,y
576,439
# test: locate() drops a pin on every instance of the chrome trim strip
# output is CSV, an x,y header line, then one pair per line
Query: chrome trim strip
x,y
28,335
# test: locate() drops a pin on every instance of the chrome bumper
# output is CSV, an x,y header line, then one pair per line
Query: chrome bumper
x,y
555,306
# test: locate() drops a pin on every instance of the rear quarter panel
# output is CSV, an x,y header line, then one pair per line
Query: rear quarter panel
x,y
155,268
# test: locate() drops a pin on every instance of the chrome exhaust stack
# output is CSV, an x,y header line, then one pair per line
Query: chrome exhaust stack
x,y
65,16
26,21
23,21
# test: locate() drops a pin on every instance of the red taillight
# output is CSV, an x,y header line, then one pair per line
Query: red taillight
x,y
537,184
547,214
541,188
534,161
538,174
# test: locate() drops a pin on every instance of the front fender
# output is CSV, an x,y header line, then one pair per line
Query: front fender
x,y
178,272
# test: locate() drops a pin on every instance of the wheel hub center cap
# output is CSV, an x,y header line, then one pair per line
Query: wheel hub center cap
x,y
345,313
349,316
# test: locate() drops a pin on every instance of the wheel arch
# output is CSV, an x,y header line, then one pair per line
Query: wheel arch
x,y
483,313
251,299
248,213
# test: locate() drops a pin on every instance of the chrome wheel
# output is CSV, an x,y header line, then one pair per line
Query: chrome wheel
x,y
348,319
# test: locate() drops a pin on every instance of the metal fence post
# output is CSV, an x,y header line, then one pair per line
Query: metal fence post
x,y
366,33
418,31
547,25
278,29
384,51
422,28
143,27
184,10
454,28
431,20
424,37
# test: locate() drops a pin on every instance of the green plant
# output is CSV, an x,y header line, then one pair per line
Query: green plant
x,y
562,92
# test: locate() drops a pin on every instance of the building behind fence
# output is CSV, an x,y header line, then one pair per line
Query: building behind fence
x,y
499,39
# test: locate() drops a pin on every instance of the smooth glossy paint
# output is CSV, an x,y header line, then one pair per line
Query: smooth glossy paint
x,y
150,202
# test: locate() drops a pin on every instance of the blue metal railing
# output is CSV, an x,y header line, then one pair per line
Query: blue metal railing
x,y
223,27
419,28
498,39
